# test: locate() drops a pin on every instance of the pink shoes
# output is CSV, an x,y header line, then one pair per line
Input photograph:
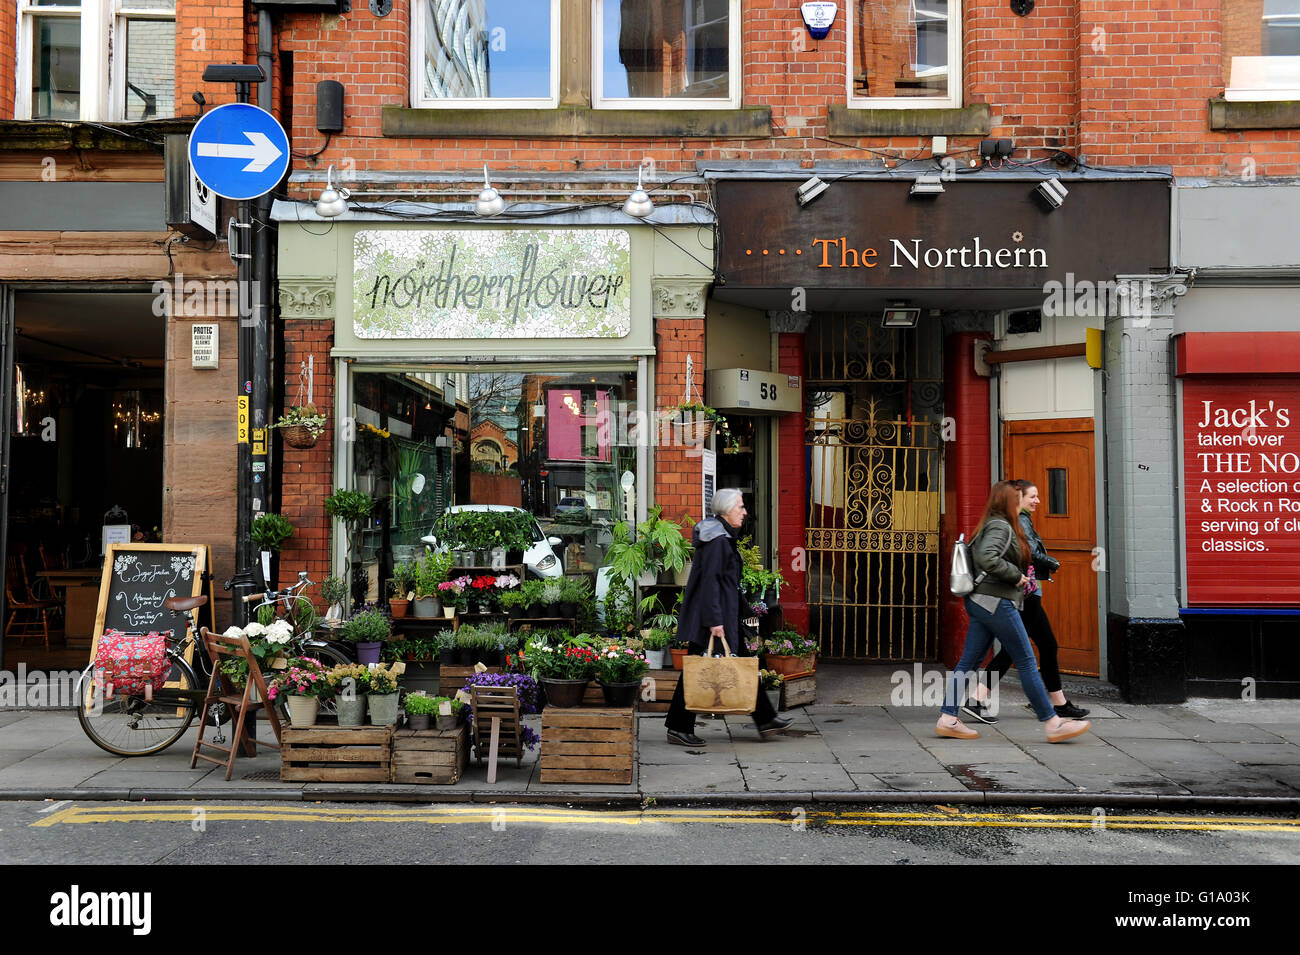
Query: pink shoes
x,y
955,730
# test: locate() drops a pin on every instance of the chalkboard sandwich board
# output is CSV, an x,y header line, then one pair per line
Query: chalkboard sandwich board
x,y
137,579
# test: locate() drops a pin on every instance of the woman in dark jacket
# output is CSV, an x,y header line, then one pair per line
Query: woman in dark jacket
x,y
711,608
1000,552
1035,620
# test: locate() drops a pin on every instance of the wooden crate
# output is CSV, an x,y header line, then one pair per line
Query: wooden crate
x,y
799,691
328,753
665,687
451,679
436,757
596,745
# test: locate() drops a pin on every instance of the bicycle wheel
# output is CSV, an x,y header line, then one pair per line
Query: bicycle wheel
x,y
132,725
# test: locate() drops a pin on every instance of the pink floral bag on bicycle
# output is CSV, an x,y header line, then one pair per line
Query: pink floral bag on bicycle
x,y
132,661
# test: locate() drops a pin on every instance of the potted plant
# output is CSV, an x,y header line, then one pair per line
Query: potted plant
x,y
790,653
678,649
454,595
419,708
455,708
303,686
532,591
619,610
562,670
269,532
334,591
349,684
429,573
770,682
483,592
655,644
381,701
352,508
474,646
369,630
694,421
404,577
666,549
619,671
550,595
512,602
446,644
301,426
574,592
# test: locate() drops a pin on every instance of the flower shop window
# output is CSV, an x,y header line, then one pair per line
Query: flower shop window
x,y
556,442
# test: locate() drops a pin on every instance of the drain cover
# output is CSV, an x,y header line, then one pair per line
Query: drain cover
x,y
264,776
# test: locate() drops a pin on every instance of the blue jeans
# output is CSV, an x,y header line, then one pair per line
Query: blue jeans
x,y
1005,624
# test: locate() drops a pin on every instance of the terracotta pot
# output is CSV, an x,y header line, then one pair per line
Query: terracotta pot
x,y
788,666
399,607
678,656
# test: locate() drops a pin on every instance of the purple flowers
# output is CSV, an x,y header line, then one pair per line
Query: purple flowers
x,y
529,695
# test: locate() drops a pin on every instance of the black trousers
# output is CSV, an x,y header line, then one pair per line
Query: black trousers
x,y
1039,629
682,720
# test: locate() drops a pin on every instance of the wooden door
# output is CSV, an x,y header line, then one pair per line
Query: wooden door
x,y
1057,455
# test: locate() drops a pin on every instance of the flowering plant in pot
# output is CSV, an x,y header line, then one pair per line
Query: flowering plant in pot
x,y
303,685
678,649
564,670
350,683
483,592
770,682
429,573
529,698
454,594
789,652
382,697
301,426
451,719
619,670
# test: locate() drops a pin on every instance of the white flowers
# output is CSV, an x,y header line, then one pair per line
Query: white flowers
x,y
278,633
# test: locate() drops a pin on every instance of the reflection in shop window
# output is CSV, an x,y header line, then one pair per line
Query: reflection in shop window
x,y
550,442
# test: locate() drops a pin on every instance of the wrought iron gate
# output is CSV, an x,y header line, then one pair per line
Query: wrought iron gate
x,y
874,434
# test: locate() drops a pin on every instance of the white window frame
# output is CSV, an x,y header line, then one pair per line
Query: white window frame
x,y
103,77
734,61
420,101
1260,94
954,98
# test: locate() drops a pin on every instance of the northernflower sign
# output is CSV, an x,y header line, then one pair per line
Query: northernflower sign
x,y
491,283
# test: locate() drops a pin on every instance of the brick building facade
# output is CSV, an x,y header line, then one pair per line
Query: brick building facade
x,y
1103,95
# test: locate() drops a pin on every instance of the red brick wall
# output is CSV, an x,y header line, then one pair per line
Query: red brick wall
x,y
1140,97
1243,31
967,464
210,31
307,476
8,62
792,490
678,468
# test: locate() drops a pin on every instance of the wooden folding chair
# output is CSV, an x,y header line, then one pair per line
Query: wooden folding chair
x,y
219,649
496,725
18,596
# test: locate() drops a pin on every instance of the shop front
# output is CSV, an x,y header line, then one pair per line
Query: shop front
x,y
470,367
943,344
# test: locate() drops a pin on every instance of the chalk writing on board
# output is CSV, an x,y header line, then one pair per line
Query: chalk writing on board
x,y
131,570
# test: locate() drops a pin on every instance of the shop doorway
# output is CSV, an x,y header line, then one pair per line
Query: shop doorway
x,y
874,440
1057,455
84,430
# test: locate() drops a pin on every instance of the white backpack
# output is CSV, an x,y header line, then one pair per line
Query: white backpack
x,y
962,581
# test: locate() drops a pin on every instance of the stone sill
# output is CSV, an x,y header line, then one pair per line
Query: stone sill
x,y
1272,114
68,134
569,122
974,120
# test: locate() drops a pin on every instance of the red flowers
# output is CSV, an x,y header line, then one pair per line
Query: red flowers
x,y
485,582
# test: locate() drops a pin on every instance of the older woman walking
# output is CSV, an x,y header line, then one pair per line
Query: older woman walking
x,y
999,550
711,607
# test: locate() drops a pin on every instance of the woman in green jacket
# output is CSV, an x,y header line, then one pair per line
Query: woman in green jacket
x,y
1000,552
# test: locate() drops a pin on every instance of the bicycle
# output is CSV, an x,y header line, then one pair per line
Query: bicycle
x,y
293,605
144,724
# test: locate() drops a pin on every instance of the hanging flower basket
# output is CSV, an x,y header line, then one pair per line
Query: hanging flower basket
x,y
693,428
299,436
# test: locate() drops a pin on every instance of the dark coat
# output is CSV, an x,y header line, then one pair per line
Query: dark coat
x,y
712,596
1044,563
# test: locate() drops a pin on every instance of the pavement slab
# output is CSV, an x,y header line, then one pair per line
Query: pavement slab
x,y
784,777
922,782
1259,754
891,761
1004,777
707,777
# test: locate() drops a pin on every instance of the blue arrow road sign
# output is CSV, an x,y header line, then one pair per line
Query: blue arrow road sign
x,y
239,151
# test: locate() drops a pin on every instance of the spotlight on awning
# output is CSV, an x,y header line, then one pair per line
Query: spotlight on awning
x,y
810,190
926,186
1053,192
900,315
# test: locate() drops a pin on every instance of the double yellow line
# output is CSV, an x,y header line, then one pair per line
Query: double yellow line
x,y
542,815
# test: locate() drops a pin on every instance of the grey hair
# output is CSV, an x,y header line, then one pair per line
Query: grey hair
x,y
724,499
